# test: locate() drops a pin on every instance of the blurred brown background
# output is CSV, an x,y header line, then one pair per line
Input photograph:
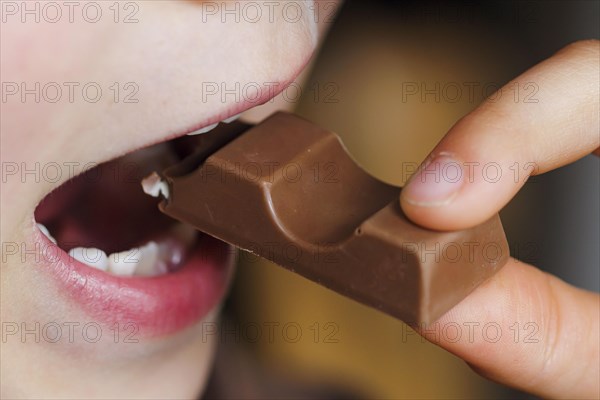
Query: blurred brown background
x,y
356,89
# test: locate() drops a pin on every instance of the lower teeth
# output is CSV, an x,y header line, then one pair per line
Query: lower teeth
x,y
152,259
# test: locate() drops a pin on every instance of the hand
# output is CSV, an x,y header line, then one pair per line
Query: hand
x,y
563,126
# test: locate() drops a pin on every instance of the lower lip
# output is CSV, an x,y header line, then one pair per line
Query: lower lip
x,y
158,305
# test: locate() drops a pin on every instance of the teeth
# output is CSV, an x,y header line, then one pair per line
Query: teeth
x,y
170,255
124,263
152,259
140,261
46,233
149,263
213,126
204,130
92,257
231,119
154,186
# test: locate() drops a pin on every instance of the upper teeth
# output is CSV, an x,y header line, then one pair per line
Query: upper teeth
x,y
213,126
154,186
45,231
151,259
204,130
231,119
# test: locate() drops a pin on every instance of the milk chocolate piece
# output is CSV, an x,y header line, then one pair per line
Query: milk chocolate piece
x,y
288,191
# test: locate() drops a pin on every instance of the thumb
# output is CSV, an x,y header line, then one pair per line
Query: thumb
x,y
544,119
529,330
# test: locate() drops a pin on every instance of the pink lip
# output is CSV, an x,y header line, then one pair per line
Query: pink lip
x,y
157,306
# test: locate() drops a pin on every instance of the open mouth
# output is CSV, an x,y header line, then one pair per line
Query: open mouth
x,y
103,219
110,248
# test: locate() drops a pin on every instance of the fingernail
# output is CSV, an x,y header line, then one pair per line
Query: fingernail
x,y
436,183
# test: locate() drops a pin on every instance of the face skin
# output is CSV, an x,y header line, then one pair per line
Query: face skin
x,y
170,54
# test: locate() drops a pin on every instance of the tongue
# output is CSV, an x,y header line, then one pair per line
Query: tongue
x,y
106,207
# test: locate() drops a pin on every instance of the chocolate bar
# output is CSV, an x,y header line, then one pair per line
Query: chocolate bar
x,y
287,190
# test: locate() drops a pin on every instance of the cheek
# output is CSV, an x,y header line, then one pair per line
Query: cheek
x,y
43,68
41,64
